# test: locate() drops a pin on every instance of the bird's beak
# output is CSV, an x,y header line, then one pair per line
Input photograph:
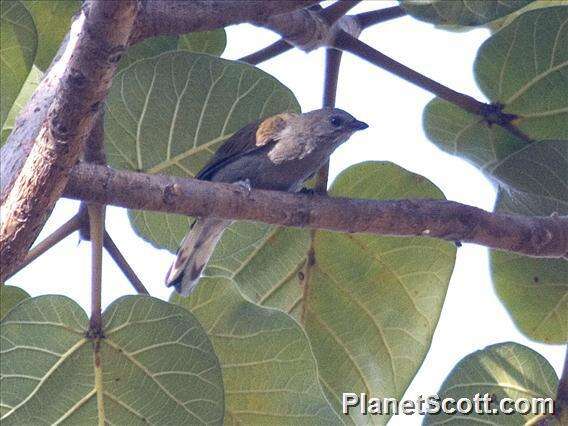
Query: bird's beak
x,y
358,125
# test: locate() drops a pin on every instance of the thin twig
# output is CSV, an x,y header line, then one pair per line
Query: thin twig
x,y
334,12
352,45
492,113
367,19
96,232
269,52
331,77
126,269
57,236
332,64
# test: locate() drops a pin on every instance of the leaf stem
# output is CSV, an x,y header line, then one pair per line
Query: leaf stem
x,y
269,52
333,13
124,266
367,19
57,236
492,113
96,232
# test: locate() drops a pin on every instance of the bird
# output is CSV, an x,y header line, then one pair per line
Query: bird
x,y
278,153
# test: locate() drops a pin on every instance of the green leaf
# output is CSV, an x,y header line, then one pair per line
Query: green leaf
x,y
148,48
155,365
467,135
535,4
18,44
53,21
33,80
534,291
461,12
269,372
10,296
168,114
525,68
212,42
504,370
390,290
540,169
535,90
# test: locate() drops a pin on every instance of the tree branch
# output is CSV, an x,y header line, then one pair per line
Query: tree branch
x,y
368,19
335,11
492,113
532,236
121,262
352,45
101,34
171,17
269,52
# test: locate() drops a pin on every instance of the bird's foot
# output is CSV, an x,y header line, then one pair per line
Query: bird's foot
x,y
307,191
244,185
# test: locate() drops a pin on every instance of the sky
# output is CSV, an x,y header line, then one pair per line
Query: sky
x,y
472,317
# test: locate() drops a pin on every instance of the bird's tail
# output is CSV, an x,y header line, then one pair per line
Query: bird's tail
x,y
194,253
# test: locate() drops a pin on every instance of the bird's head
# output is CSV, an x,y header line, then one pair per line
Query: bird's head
x,y
329,124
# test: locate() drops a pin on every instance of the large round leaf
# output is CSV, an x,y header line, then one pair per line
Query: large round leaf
x,y
467,135
269,371
30,85
155,365
390,290
535,90
212,42
18,44
540,169
52,20
505,370
168,114
461,12
148,48
535,291
10,296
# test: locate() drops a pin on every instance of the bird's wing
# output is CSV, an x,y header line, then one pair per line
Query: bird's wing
x,y
250,138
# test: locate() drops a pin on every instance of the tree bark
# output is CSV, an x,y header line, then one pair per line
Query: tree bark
x,y
448,220
96,45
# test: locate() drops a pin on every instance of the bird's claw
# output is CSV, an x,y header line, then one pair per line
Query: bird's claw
x,y
244,185
307,191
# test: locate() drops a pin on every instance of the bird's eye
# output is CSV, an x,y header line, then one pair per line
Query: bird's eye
x,y
335,121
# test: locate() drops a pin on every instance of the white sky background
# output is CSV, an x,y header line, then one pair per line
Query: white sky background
x,y
472,317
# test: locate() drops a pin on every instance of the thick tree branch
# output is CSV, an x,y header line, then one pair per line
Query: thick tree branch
x,y
174,17
532,236
154,17
101,36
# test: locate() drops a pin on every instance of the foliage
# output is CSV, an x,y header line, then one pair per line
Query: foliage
x,y
505,370
263,340
52,372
